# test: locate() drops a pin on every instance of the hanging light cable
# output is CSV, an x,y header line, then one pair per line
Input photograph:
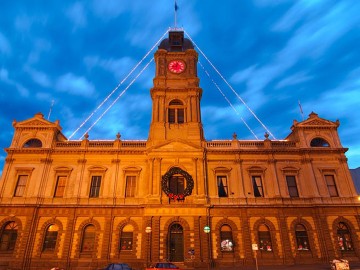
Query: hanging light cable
x,y
232,89
231,105
123,92
116,88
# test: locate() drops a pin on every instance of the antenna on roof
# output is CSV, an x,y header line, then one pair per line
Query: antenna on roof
x,y
176,8
51,106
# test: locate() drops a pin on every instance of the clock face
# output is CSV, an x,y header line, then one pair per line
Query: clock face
x,y
176,66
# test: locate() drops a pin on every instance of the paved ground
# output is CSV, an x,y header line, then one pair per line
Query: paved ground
x,y
353,266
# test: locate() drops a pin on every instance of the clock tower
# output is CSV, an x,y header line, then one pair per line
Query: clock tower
x,y
176,93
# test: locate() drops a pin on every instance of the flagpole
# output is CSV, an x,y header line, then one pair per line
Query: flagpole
x,y
301,111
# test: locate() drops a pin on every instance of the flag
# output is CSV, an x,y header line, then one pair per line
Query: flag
x,y
176,6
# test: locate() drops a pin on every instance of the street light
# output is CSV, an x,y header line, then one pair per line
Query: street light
x,y
207,231
148,231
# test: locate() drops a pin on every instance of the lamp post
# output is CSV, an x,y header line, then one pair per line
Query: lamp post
x,y
207,231
148,231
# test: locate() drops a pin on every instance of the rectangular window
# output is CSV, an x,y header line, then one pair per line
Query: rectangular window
x,y
177,184
330,181
222,186
126,241
171,115
20,186
180,116
258,188
60,186
95,186
291,183
130,186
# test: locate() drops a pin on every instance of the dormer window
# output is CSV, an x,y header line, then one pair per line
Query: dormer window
x,y
319,142
176,113
33,143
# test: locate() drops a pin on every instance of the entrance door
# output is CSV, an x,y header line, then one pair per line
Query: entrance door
x,y
176,243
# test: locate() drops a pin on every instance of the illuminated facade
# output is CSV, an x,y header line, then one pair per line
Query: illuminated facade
x,y
82,204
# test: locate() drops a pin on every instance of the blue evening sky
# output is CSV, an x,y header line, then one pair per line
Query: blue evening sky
x,y
274,53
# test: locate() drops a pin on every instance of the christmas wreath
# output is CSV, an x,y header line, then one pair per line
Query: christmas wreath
x,y
165,184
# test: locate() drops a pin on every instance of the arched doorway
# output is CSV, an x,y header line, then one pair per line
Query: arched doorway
x,y
176,243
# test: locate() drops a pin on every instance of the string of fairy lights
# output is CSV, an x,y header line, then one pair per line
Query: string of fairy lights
x,y
92,114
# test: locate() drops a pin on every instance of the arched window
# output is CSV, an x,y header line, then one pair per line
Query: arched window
x,y
50,238
264,238
126,238
8,237
176,112
319,142
88,240
33,143
226,240
344,237
302,240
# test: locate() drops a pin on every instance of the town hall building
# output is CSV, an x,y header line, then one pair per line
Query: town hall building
x,y
176,196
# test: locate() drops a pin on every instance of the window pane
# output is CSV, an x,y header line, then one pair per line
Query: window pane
x,y
257,184
95,186
50,238
8,237
177,184
21,184
302,240
130,186
171,115
180,114
330,181
226,242
88,239
291,183
126,240
264,238
60,186
344,237
222,186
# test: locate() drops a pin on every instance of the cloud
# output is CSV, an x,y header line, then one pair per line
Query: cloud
x,y
242,75
293,80
4,76
4,45
75,85
342,99
119,67
76,14
111,9
39,77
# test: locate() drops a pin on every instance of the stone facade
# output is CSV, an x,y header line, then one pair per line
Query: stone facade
x,y
83,204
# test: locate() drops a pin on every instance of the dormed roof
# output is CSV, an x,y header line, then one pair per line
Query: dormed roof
x,y
176,42
165,44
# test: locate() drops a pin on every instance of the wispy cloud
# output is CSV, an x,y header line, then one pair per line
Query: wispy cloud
x,y
119,67
4,45
293,80
4,76
75,85
76,14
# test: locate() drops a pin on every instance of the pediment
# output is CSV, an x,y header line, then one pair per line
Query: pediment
x,y
315,121
36,121
177,146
